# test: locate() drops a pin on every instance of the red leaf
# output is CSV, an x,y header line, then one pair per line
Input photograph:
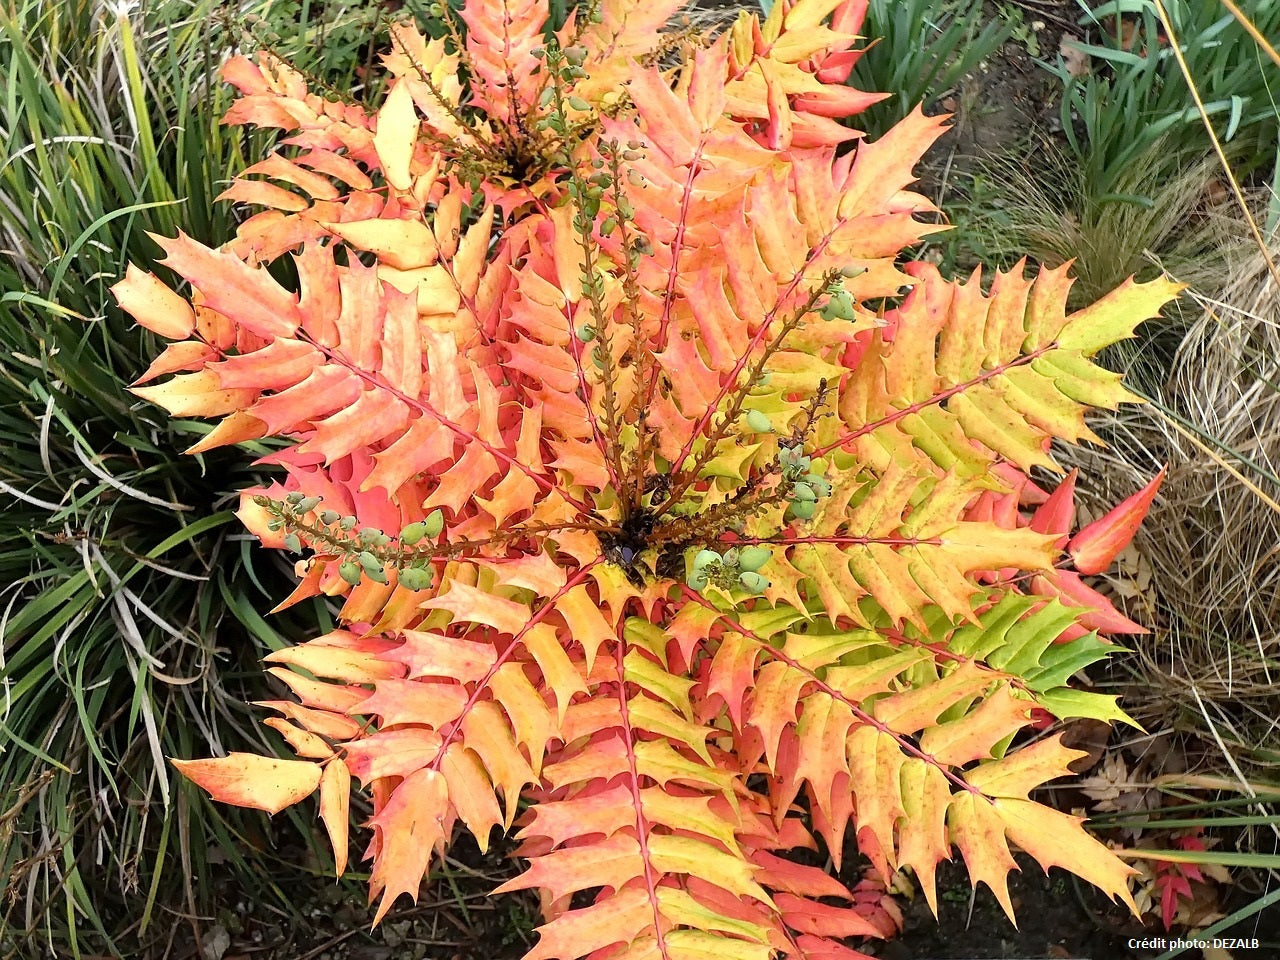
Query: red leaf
x,y
1097,545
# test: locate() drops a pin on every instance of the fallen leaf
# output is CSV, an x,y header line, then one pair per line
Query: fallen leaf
x,y
1077,62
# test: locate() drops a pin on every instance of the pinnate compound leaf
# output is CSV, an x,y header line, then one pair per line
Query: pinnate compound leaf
x,y
716,534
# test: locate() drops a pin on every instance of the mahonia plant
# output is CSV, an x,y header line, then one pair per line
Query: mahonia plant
x,y
659,496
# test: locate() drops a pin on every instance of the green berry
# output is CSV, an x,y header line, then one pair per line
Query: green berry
x,y
350,572
803,509
415,578
307,504
413,533
705,557
329,516
586,333
698,579
293,498
752,559
758,421
754,582
370,562
802,491
433,523
347,523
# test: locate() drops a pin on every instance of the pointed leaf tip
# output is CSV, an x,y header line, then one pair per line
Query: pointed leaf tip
x,y
1096,546
149,301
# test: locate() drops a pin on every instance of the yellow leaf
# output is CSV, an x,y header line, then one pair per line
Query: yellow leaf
x,y
149,301
335,802
396,135
248,780
1023,770
471,793
303,742
402,244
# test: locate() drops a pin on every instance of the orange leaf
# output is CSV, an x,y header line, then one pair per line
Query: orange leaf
x,y
974,735
616,918
471,793
232,287
411,826
149,301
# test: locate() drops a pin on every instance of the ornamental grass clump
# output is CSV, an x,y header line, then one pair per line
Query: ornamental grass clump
x,y
675,524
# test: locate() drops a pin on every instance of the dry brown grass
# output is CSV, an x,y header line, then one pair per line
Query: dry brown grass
x,y
1210,548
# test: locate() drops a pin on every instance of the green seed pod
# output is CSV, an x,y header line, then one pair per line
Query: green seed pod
x,y
802,491
370,562
758,421
754,582
849,271
350,572
705,557
586,333
803,509
753,558
415,578
698,579
292,543
293,498
330,516
731,557
575,55
377,576
368,535
347,523
434,523
579,104
307,504
413,533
